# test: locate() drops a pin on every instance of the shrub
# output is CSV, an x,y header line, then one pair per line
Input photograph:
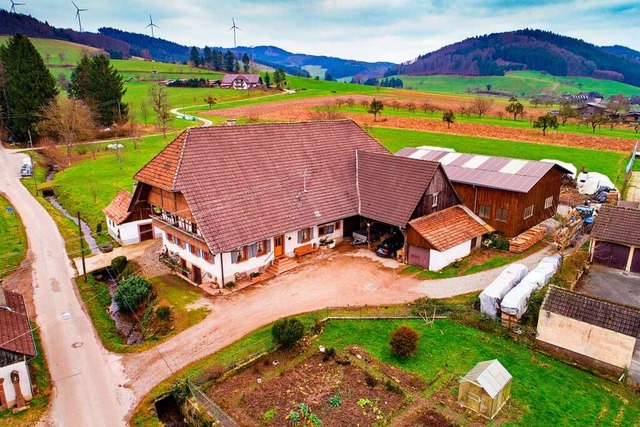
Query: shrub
x,y
163,313
128,271
118,264
404,341
131,293
288,331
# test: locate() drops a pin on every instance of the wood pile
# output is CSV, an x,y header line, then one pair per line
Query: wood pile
x,y
612,198
524,241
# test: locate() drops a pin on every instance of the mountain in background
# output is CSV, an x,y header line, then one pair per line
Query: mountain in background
x,y
494,54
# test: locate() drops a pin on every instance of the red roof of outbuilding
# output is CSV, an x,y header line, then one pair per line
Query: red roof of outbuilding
x,y
448,228
118,209
15,331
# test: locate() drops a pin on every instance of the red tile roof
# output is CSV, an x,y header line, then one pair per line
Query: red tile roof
x,y
251,78
118,209
391,187
447,228
618,225
251,182
15,331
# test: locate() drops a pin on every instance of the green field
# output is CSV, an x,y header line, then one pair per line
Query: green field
x,y
546,391
520,83
607,162
72,52
13,239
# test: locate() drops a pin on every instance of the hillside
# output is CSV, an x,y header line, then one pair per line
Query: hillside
x,y
497,53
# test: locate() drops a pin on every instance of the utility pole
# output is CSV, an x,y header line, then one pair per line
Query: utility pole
x,y
84,267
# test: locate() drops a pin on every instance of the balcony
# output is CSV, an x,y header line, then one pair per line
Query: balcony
x,y
180,225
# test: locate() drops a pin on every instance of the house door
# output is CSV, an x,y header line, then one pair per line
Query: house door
x,y
145,231
418,256
197,275
278,245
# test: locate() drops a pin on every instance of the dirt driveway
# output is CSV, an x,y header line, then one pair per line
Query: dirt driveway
x,y
352,279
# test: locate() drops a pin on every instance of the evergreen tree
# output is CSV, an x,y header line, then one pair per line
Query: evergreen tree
x,y
245,62
218,60
267,79
229,61
207,57
194,56
26,85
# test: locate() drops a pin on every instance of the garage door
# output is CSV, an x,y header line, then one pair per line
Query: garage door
x,y
419,256
146,232
635,261
611,254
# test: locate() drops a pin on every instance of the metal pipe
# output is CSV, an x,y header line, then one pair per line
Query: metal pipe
x,y
221,271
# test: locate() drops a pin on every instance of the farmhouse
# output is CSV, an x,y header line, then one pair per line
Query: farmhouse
x,y
615,238
241,81
632,117
128,224
16,349
236,199
592,331
511,195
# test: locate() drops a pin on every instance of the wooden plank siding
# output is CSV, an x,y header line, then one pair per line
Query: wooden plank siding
x,y
169,201
514,202
195,241
447,196
415,239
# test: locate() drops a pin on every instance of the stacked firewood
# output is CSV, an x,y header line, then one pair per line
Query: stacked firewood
x,y
524,241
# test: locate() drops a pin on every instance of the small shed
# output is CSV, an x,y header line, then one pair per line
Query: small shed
x,y
486,388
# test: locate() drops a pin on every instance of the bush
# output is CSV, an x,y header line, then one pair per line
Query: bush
x,y
404,341
163,313
286,332
131,293
128,271
118,264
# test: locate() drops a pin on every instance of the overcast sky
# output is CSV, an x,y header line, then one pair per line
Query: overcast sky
x,y
370,30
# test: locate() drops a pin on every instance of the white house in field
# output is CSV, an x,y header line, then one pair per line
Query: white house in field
x,y
235,200
128,225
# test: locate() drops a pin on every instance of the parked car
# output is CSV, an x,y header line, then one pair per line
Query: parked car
x,y
389,246
26,171
374,233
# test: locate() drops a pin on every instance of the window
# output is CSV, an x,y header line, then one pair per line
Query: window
x,y
186,246
501,214
325,229
176,241
485,211
337,225
169,237
241,254
434,200
193,249
548,202
305,235
528,212
262,248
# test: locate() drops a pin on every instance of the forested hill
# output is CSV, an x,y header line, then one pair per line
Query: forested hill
x,y
149,47
494,54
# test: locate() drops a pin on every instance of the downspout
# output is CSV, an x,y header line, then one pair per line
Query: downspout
x,y
221,271
358,184
405,246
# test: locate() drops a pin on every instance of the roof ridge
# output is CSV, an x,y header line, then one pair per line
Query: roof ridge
x,y
591,297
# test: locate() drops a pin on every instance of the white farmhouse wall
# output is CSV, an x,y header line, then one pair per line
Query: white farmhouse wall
x,y
25,382
439,260
129,232
593,341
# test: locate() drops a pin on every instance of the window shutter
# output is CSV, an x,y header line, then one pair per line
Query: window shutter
x,y
300,236
234,257
268,245
310,233
253,250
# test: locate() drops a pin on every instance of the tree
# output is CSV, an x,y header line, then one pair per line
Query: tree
x,y
404,341
144,111
488,86
229,61
566,112
99,85
67,121
159,100
515,108
209,99
288,331
131,293
618,104
596,119
207,56
449,117
279,77
194,56
481,106
375,107
245,62
26,85
62,81
535,101
545,122
267,79
62,56
465,110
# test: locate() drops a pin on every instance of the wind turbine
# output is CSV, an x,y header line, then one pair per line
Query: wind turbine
x,y
78,10
151,24
14,4
234,28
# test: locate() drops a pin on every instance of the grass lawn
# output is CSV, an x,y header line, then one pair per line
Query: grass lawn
x,y
609,163
71,52
13,239
548,392
520,83
169,290
42,381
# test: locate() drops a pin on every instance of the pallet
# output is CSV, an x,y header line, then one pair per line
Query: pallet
x,y
524,241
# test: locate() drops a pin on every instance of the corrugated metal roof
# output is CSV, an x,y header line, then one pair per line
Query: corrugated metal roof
x,y
486,171
490,375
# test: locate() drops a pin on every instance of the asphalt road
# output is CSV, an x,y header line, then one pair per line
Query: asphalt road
x,y
87,380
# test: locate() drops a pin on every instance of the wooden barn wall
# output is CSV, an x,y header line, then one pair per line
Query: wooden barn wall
x,y
170,201
549,185
415,239
447,196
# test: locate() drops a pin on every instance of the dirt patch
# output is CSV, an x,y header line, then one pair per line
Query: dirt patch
x,y
343,390
21,281
425,417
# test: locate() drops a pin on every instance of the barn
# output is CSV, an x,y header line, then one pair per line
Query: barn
x,y
511,195
615,238
129,225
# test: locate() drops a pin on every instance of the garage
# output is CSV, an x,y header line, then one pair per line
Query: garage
x,y
611,254
616,231
419,256
635,261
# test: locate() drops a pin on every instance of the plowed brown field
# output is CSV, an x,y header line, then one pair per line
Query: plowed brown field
x,y
302,109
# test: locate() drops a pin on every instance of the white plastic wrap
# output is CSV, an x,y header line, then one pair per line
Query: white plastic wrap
x,y
568,166
588,183
491,297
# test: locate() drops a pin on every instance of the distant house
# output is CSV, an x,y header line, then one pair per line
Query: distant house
x,y
590,330
511,195
241,81
16,349
588,96
615,238
631,117
127,224
233,200
592,108
486,388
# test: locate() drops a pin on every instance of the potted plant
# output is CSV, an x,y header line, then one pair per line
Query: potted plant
x,y
326,242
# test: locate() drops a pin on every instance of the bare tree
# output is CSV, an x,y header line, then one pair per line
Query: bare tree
x,y
465,110
144,111
47,57
395,104
67,121
159,100
481,105
566,112
410,106
328,111
62,81
350,102
618,104
62,56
